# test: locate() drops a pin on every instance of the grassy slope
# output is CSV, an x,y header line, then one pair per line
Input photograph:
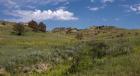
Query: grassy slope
x,y
125,65
12,46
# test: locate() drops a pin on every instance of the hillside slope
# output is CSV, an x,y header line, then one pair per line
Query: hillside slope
x,y
101,52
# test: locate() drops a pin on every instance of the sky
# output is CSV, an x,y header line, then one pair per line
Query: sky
x,y
73,13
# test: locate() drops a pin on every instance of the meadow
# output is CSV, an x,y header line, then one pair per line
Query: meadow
x,y
108,51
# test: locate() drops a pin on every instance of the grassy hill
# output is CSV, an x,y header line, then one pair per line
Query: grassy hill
x,y
104,51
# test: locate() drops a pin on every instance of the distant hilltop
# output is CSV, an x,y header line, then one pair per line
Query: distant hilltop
x,y
62,29
6,22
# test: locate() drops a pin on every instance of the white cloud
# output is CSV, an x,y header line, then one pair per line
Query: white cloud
x,y
135,8
102,6
93,8
8,3
97,8
38,15
33,1
105,1
22,3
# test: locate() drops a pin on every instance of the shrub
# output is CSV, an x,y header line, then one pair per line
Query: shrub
x,y
101,49
3,23
42,27
68,30
33,24
136,33
19,29
129,33
59,29
74,66
98,49
121,35
79,36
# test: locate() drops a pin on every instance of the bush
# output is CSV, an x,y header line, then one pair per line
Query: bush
x,y
136,33
3,23
68,30
79,36
33,24
101,49
98,49
74,66
42,27
19,29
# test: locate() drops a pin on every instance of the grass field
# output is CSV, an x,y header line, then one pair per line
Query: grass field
x,y
104,52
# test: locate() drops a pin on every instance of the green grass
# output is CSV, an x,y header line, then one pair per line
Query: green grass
x,y
104,54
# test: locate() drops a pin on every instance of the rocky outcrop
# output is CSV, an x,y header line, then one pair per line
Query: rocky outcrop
x,y
38,68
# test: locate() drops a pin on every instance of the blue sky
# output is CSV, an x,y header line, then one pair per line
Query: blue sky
x,y
73,13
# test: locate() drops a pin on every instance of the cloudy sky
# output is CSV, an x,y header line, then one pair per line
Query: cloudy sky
x,y
73,13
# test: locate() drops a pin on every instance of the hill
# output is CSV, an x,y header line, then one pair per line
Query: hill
x,y
101,51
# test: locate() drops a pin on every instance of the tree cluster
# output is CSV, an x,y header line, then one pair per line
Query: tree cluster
x,y
20,28
37,27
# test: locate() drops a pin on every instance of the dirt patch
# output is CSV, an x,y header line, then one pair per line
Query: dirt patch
x,y
3,72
